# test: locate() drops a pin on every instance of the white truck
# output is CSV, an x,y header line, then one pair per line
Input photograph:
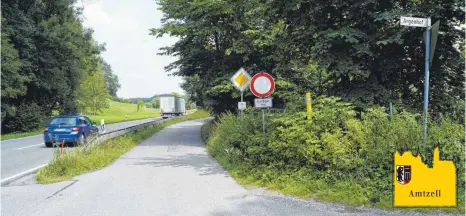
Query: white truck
x,y
172,106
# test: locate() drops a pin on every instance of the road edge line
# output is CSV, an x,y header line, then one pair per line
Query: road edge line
x,y
20,175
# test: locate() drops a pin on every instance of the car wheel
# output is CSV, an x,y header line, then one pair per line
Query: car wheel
x,y
48,145
81,141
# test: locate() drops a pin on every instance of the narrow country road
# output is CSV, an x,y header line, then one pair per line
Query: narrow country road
x,y
168,174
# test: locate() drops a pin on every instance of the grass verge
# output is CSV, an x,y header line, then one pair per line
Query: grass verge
x,y
21,134
75,163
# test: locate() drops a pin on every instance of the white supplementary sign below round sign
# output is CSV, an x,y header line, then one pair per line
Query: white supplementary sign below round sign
x,y
241,105
263,102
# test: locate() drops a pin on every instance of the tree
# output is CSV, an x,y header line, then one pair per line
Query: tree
x,y
111,80
155,102
13,82
53,52
140,105
355,51
93,96
195,89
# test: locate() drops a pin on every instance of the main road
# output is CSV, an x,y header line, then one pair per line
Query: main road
x,y
168,174
23,154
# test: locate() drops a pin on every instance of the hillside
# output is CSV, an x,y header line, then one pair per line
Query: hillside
x,y
118,111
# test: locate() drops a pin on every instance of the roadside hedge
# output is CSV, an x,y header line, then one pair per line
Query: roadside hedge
x,y
342,156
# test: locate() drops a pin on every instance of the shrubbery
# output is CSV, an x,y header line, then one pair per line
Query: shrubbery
x,y
342,156
26,117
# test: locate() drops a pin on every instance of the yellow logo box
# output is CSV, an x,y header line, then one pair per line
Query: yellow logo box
x,y
417,185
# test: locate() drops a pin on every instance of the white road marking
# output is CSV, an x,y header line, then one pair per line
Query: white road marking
x,y
22,173
29,146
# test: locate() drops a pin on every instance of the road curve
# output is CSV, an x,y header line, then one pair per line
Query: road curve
x,y
20,155
168,174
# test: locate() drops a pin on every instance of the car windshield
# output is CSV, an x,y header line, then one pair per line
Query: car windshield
x,y
63,121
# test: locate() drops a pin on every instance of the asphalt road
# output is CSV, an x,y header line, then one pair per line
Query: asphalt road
x,y
23,154
168,174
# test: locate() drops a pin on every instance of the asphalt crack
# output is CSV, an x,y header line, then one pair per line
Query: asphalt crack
x,y
73,182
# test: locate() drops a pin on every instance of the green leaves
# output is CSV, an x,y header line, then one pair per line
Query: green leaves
x,y
141,105
51,61
13,82
358,52
337,147
111,79
93,96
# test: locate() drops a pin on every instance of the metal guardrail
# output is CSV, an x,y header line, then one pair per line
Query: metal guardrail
x,y
100,138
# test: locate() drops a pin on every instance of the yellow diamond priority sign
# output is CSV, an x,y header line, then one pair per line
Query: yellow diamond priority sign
x,y
241,79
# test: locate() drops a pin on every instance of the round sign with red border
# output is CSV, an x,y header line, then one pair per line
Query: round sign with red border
x,y
262,84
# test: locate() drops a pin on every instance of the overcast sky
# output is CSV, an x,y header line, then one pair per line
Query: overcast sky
x,y
131,51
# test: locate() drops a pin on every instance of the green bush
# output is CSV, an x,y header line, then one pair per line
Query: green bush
x,y
206,130
26,117
341,149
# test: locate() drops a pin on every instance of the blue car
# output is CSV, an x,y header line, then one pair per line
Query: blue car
x,y
73,129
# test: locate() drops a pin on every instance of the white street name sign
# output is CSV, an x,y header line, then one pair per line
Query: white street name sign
x,y
413,21
263,102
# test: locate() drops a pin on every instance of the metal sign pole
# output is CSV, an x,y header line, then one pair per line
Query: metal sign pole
x,y
391,109
426,83
241,102
263,122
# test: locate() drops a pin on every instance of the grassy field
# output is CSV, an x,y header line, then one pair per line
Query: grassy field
x,y
116,113
78,162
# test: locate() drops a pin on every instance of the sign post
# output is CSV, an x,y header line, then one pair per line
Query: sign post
x,y
422,22
262,85
391,109
309,107
241,80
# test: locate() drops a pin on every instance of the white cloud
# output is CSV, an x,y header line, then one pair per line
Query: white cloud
x,y
131,51
94,13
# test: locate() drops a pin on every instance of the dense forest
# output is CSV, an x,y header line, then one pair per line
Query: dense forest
x,y
355,50
50,61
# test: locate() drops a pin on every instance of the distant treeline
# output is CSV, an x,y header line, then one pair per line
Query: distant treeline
x,y
143,99
154,101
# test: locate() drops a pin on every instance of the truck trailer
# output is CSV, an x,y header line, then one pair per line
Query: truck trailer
x,y
171,106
